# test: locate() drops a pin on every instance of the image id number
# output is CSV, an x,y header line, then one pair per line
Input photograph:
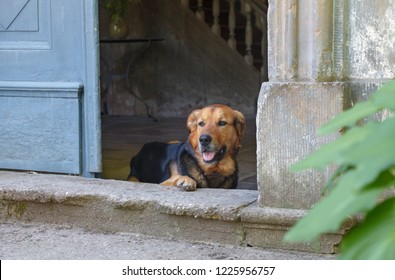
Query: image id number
x,y
235,270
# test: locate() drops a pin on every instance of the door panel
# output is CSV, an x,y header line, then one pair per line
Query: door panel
x,y
30,111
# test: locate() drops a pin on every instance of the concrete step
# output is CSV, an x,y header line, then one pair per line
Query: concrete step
x,y
207,215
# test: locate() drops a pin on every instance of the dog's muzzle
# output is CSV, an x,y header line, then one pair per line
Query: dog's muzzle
x,y
210,153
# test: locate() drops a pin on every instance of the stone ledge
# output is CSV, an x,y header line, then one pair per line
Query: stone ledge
x,y
72,190
271,216
222,216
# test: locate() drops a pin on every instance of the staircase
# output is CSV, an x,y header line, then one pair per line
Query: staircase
x,y
241,23
222,59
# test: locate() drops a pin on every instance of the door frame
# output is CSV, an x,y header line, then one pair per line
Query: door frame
x,y
91,116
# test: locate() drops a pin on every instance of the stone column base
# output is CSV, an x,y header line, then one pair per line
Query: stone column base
x,y
266,227
288,116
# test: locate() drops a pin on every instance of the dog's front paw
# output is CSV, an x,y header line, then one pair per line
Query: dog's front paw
x,y
186,183
183,182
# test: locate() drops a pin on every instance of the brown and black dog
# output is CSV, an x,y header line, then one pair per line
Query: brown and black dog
x,y
206,160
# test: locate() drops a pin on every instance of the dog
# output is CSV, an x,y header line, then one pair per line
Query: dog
x,y
206,160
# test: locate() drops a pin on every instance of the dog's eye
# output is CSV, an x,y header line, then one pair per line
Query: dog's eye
x,y
222,123
201,124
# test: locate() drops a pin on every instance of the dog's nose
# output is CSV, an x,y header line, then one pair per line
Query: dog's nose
x,y
205,140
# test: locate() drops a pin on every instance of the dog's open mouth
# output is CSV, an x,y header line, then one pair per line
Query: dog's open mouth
x,y
213,156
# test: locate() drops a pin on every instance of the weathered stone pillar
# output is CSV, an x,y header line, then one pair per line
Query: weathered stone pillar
x,y
299,97
323,56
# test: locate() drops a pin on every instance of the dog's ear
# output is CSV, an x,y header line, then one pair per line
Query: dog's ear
x,y
239,123
192,120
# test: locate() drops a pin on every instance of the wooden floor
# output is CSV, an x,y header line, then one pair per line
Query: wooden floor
x,y
124,136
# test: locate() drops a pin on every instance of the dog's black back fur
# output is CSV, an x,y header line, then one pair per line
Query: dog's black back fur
x,y
152,165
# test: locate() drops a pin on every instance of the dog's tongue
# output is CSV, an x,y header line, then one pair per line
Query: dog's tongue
x,y
207,156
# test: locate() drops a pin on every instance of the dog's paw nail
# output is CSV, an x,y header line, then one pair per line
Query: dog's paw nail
x,y
186,185
190,188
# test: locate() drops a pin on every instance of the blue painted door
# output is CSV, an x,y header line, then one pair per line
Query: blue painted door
x,y
49,93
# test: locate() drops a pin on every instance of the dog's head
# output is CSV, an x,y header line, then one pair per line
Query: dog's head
x,y
215,135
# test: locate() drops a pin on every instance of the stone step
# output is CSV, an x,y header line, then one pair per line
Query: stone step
x,y
206,215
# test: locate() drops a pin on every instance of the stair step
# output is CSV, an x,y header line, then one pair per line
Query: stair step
x,y
206,215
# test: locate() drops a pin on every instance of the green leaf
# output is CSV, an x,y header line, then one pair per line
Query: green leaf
x,y
377,151
366,156
349,117
343,202
334,179
332,152
372,147
330,213
385,96
385,180
375,237
369,149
